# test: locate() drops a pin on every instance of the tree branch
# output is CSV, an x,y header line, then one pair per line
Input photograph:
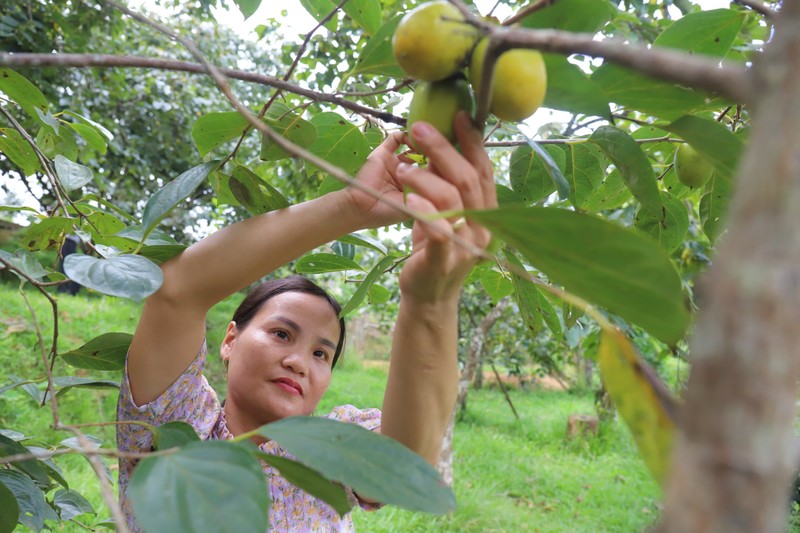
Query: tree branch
x,y
123,61
704,73
758,7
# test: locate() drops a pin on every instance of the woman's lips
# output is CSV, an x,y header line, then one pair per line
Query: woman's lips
x,y
289,386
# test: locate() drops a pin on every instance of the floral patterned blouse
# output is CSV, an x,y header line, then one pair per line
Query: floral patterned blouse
x,y
191,399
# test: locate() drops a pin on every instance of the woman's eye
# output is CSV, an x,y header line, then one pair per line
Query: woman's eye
x,y
321,354
282,334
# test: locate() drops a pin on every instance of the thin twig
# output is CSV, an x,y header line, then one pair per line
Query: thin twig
x,y
503,388
293,149
124,61
758,7
504,144
46,169
286,77
525,11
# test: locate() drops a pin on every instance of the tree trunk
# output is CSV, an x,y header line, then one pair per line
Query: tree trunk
x,y
735,457
445,464
472,362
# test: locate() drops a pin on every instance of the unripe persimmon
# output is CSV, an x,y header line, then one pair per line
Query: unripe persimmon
x,y
433,41
519,83
438,102
691,168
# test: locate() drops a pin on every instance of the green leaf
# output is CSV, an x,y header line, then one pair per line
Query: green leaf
x,y
174,193
48,233
570,89
378,294
72,175
33,509
670,229
215,129
93,138
712,140
108,136
10,509
636,170
290,125
65,383
319,9
205,486
526,294
339,142
23,92
642,399
367,13
247,7
377,57
174,434
32,467
19,151
585,167
255,194
705,32
159,253
614,267
310,481
322,262
611,194
373,465
128,276
364,240
25,262
106,352
71,504
363,288
348,251
93,443
551,166
586,16
714,206
529,179
496,284
510,197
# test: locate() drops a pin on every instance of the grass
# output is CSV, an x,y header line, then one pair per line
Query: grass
x,y
510,475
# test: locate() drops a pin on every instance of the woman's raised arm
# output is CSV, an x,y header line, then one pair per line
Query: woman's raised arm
x,y
171,328
423,376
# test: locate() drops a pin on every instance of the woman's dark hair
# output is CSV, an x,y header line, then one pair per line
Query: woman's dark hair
x,y
263,292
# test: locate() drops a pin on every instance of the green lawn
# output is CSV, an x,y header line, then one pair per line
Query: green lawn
x,y
510,475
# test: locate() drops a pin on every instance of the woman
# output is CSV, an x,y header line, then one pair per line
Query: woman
x,y
280,349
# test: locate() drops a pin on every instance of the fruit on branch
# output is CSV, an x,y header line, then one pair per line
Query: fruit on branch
x,y
433,41
519,83
438,102
691,168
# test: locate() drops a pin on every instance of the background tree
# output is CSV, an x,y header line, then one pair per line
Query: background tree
x,y
594,225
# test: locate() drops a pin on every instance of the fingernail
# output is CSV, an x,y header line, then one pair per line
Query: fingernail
x,y
420,130
402,168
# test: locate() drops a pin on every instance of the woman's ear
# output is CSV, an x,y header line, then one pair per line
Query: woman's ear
x,y
226,348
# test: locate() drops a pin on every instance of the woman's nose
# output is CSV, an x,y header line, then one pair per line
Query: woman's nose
x,y
295,362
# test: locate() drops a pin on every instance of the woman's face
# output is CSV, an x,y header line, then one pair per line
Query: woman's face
x,y
279,364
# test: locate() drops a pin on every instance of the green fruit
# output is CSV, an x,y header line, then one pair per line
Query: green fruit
x,y
691,168
519,83
438,102
433,41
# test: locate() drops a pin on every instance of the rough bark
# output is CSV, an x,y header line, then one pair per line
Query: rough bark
x,y
735,456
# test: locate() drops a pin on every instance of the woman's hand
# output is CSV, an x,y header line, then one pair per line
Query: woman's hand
x,y
453,181
379,174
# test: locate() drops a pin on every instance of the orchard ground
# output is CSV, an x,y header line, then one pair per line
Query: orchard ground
x,y
510,475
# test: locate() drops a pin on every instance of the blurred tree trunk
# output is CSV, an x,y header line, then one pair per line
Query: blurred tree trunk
x,y
472,362
735,456
471,365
